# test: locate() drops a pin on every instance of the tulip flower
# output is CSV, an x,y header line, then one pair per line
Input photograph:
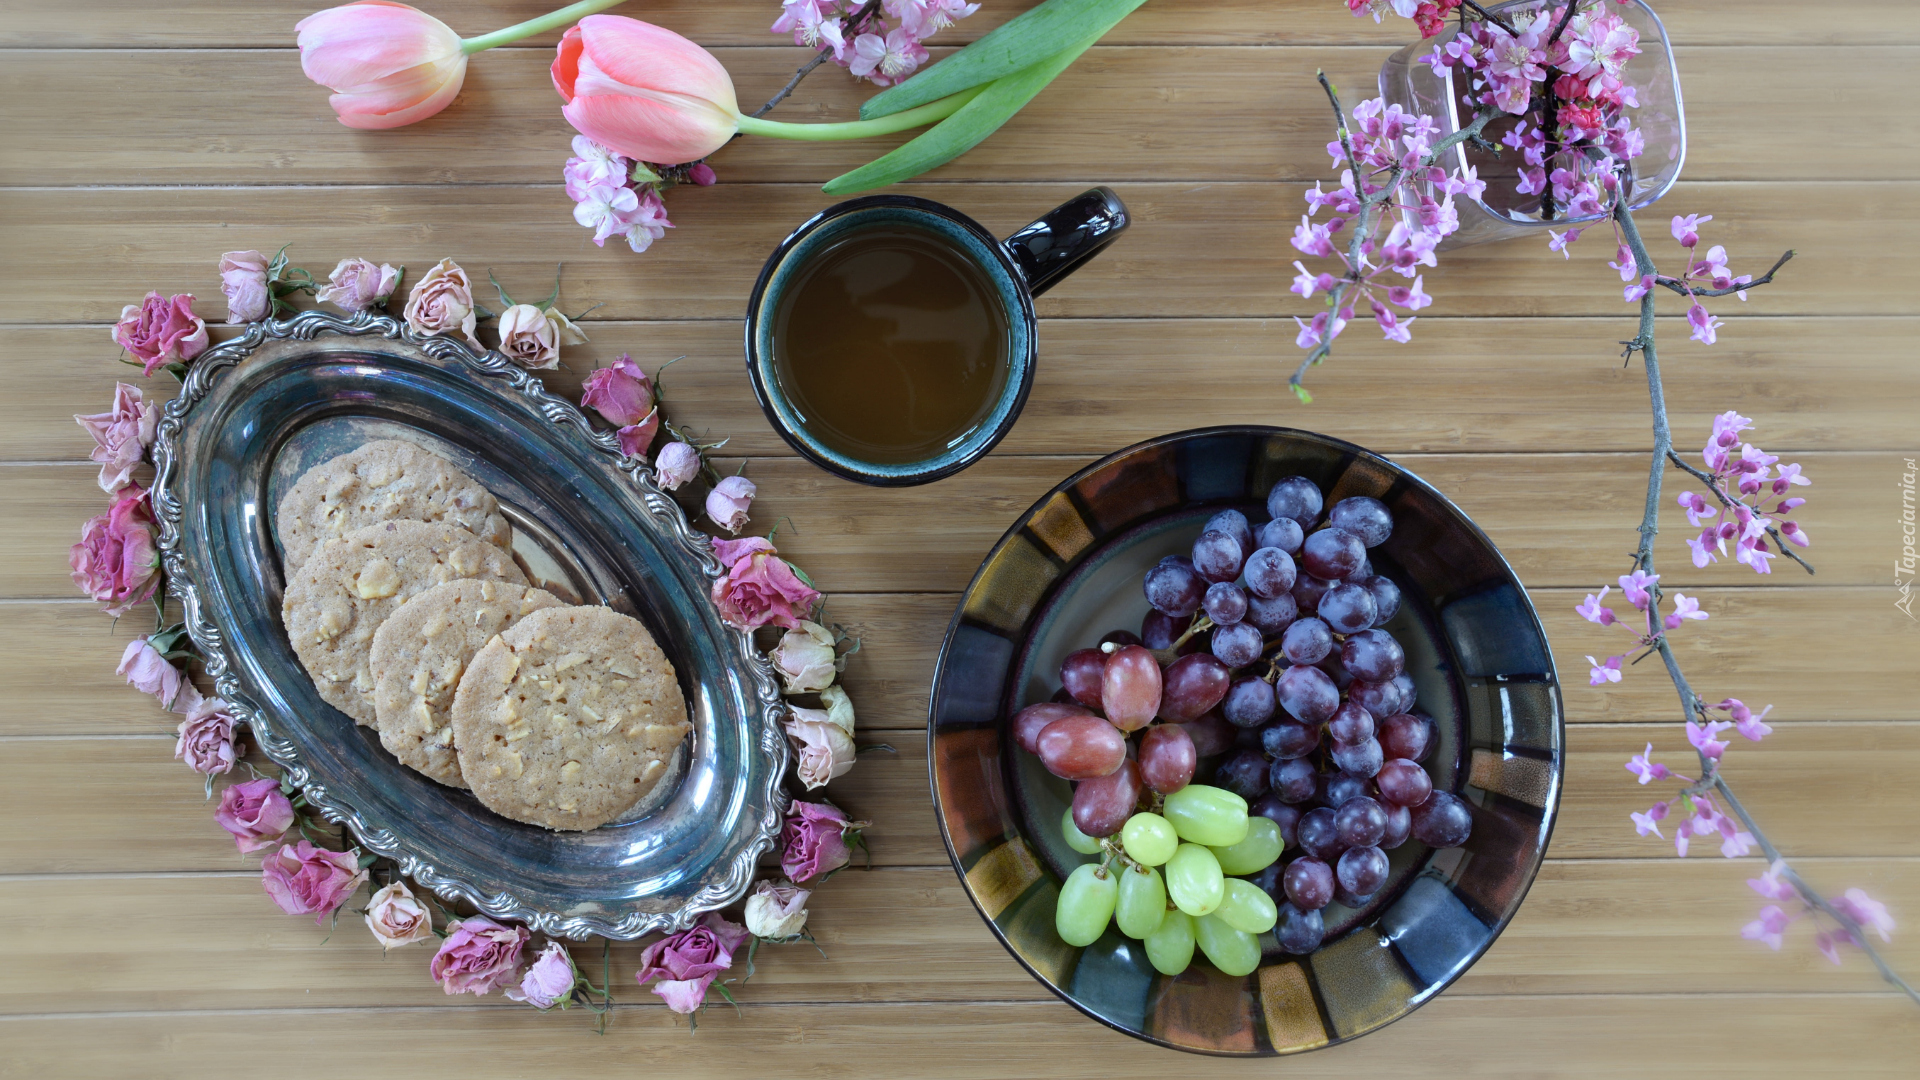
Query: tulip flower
x,y
652,95
390,65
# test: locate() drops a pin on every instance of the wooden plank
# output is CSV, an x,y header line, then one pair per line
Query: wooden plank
x,y
1464,385
1119,114
1758,646
269,23
101,805
837,522
1604,1038
1207,249
897,935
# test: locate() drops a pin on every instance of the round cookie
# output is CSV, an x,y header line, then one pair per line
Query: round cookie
x,y
419,654
340,596
568,719
386,480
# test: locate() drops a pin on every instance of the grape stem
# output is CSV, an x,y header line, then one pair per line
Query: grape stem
x,y
1690,703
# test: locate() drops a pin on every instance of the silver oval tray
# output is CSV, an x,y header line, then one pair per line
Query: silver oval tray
x,y
589,525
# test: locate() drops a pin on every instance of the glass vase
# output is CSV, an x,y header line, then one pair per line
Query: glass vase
x,y
1502,213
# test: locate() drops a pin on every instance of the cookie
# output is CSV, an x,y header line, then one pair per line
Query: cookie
x,y
388,480
568,719
417,659
347,588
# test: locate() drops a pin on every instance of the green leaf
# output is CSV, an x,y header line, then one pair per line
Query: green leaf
x,y
1020,43
642,174
962,131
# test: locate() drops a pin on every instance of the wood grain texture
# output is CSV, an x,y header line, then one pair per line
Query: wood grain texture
x,y
76,792
145,139
891,935
81,254
1110,383
838,523
505,128
1527,1037
255,23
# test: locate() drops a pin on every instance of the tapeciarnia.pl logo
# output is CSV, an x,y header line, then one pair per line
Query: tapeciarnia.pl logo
x,y
1905,564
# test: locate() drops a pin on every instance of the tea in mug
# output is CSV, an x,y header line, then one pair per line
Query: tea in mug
x,y
891,345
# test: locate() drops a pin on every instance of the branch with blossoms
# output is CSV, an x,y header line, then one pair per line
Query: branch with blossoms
x,y
1551,83
1563,68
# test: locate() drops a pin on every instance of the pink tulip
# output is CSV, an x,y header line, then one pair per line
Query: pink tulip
x,y
644,91
387,64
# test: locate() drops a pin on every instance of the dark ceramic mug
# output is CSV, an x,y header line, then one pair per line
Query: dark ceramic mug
x,y
1017,269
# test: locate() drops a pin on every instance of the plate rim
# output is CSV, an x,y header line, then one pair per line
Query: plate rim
x,y
1552,811
501,377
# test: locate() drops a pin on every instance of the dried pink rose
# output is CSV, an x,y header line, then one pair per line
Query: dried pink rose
x,y
813,842
759,587
206,738
442,303
686,963
304,879
635,439
121,435
356,285
151,673
825,750
255,813
532,338
115,561
727,503
678,463
161,330
776,911
243,278
549,981
479,956
397,917
621,393
805,658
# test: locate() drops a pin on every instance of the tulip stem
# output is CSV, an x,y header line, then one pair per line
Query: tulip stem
x,y
553,20
860,129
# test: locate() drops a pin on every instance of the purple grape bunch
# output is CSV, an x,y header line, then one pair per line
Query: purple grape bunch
x,y
1264,666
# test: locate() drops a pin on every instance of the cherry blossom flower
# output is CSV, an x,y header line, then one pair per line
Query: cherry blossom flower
x,y
1648,770
1768,927
1684,607
1607,672
1746,721
1704,325
888,60
1634,587
1648,823
1772,884
1703,739
1687,229
1871,914
1591,610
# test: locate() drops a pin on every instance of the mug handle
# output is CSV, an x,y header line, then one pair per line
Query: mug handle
x,y
1070,234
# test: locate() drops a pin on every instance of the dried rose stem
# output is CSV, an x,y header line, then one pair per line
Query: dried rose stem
x,y
1691,703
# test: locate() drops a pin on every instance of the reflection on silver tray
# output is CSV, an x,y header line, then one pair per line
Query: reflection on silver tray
x,y
589,525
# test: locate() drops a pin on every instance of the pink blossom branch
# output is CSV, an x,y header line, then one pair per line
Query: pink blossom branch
x,y
1714,486
1690,703
1764,279
854,20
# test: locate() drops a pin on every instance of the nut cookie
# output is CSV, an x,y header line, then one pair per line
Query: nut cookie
x,y
568,719
417,659
386,480
347,588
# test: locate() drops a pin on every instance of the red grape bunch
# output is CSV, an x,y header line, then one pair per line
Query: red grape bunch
x,y
1265,655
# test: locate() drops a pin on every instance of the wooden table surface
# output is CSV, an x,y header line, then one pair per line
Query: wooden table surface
x,y
142,139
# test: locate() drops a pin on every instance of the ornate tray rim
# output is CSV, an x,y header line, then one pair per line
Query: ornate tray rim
x,y
505,378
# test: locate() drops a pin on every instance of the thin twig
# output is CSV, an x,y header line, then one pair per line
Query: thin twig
x,y
1684,289
1649,527
1729,504
819,58
1491,17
